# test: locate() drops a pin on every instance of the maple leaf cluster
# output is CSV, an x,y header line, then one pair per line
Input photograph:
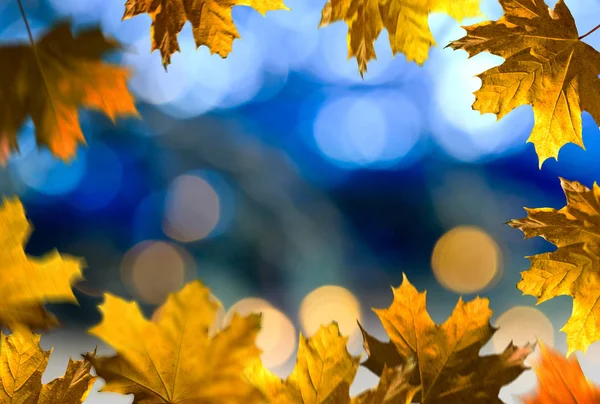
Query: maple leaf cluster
x,y
26,284
181,358
547,65
423,362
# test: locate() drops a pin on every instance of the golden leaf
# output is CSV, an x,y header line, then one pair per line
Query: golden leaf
x,y
393,387
52,80
212,24
172,359
405,20
323,373
561,381
22,364
573,269
26,283
546,65
450,369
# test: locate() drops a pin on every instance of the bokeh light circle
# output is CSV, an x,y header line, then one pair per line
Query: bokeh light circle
x,y
198,204
329,61
39,170
330,303
212,82
466,259
287,39
362,131
522,325
150,82
153,269
376,129
277,337
192,209
461,132
126,31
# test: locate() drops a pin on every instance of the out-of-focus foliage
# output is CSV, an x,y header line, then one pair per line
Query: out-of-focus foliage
x,y
27,283
51,80
561,380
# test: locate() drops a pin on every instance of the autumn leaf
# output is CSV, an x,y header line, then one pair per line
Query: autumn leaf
x,y
546,66
561,380
22,364
212,23
572,269
405,20
323,373
26,283
172,358
52,80
450,369
393,387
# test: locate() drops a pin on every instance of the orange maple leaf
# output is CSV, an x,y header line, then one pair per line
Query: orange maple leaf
x,y
561,380
52,80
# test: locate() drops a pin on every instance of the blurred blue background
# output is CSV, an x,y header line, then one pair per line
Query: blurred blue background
x,y
289,185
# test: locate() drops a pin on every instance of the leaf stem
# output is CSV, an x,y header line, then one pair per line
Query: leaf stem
x,y
580,38
39,63
26,23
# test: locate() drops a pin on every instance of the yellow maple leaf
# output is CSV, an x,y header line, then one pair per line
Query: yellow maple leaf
x,y
546,65
212,23
22,364
405,20
52,80
450,369
561,381
172,358
26,283
323,373
573,269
